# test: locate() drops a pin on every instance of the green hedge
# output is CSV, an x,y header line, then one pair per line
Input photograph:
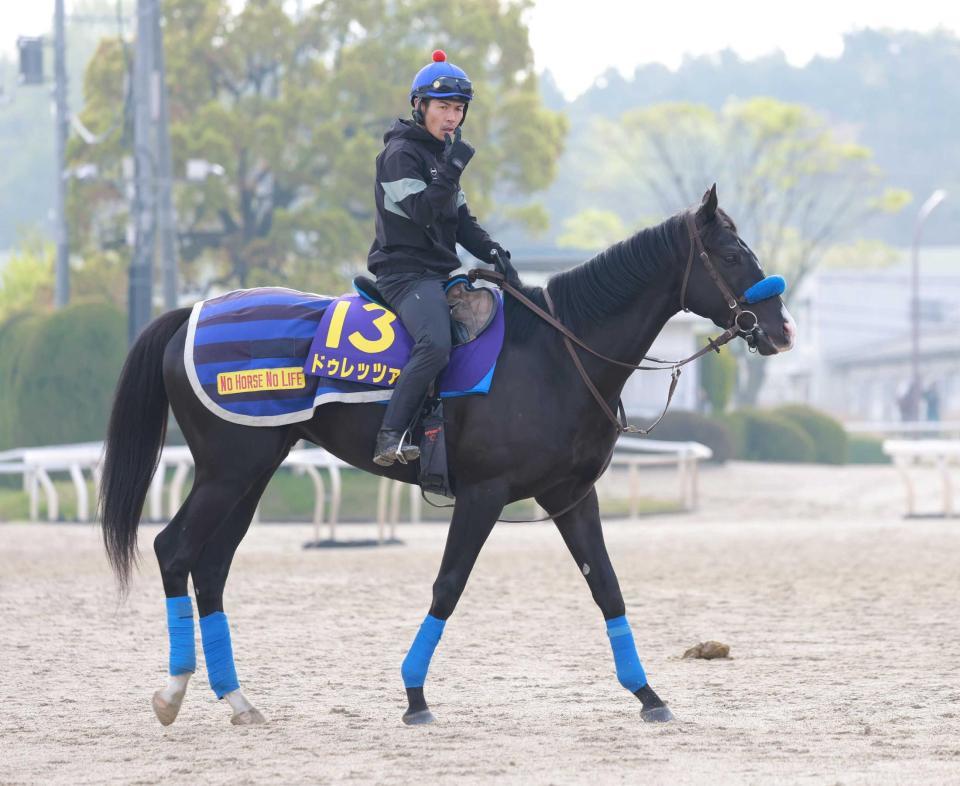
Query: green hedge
x,y
863,449
59,374
685,426
14,338
718,379
761,436
828,435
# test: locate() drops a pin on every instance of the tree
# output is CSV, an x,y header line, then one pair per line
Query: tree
x,y
718,379
792,184
591,230
294,112
26,280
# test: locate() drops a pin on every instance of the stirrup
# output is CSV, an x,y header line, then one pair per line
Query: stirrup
x,y
409,452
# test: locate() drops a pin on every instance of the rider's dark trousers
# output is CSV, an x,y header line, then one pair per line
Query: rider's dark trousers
x,y
421,304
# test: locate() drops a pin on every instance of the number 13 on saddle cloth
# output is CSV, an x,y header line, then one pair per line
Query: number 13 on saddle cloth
x,y
269,356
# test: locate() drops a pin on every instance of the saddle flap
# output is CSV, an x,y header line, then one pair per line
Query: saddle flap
x,y
470,307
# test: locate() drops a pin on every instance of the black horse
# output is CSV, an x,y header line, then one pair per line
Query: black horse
x,y
538,433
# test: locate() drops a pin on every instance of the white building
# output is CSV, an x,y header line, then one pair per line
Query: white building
x,y
853,351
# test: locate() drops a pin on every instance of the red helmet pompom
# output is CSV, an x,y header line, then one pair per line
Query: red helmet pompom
x,y
439,55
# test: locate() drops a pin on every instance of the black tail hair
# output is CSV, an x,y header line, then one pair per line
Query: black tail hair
x,y
138,425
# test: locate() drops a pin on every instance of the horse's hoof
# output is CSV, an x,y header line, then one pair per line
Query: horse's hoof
x,y
657,715
166,711
418,718
251,717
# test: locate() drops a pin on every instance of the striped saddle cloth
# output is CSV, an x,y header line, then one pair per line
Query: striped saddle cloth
x,y
266,356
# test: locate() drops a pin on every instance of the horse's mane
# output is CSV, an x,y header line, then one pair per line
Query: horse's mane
x,y
603,285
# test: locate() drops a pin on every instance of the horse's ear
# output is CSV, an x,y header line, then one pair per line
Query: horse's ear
x,y
708,205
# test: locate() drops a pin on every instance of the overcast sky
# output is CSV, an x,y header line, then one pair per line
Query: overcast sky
x,y
578,41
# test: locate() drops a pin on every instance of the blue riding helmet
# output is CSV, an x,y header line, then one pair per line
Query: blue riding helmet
x,y
441,79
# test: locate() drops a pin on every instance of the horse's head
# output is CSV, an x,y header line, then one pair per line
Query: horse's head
x,y
723,281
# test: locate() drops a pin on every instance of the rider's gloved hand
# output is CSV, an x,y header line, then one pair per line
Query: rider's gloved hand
x,y
500,258
457,152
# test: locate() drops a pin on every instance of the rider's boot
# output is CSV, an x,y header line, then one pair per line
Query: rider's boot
x,y
389,449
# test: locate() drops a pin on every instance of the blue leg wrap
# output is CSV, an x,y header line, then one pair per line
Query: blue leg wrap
x,y
415,665
218,653
183,647
629,670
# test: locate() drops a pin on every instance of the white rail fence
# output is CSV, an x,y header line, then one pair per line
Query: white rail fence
x,y
83,461
910,454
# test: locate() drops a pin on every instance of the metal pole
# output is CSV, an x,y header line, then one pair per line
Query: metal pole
x,y
144,201
915,384
166,220
61,292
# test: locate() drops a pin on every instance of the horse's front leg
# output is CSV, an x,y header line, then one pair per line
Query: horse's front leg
x,y
583,534
474,515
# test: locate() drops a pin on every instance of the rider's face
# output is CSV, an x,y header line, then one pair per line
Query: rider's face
x,y
442,117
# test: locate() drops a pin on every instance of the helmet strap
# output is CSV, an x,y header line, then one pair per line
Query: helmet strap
x,y
466,106
419,104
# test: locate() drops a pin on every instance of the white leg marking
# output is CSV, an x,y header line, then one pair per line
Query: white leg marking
x,y
166,702
244,713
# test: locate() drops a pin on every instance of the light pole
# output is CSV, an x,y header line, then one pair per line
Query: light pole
x,y
914,393
61,292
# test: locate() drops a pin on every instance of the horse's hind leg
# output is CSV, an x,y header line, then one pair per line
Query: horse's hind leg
x,y
183,652
209,579
219,495
583,534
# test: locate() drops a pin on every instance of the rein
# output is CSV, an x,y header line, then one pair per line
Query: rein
x,y
569,339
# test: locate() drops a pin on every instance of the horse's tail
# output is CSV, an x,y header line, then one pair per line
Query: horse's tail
x,y
138,425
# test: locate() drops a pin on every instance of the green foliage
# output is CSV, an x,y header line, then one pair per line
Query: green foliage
x,y
863,254
828,435
59,375
26,280
591,230
718,379
864,449
295,111
14,338
760,436
685,426
792,184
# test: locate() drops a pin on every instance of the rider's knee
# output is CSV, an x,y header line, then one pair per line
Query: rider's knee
x,y
436,352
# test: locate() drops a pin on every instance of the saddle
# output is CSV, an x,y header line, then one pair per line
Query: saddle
x,y
472,309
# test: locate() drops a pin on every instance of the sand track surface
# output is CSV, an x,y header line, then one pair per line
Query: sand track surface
x,y
842,620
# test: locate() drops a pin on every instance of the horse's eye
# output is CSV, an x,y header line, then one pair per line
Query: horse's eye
x,y
731,259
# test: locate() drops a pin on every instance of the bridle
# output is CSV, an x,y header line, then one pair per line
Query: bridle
x,y
748,330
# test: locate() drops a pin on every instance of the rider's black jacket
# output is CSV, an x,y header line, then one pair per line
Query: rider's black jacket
x,y
421,212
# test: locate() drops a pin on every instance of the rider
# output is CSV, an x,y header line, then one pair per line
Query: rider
x,y
421,215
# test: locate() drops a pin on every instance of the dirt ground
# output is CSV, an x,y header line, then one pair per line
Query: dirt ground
x,y
841,617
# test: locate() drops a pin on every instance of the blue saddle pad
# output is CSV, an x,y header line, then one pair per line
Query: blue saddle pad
x,y
247,355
